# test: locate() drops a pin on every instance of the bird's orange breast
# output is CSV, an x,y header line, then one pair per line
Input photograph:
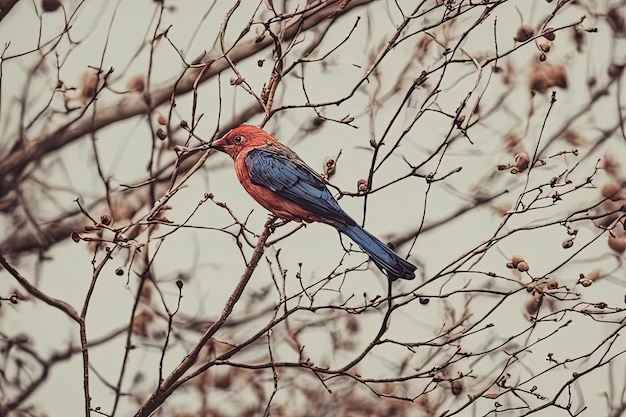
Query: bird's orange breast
x,y
278,205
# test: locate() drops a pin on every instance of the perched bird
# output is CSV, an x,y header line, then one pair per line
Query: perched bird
x,y
280,181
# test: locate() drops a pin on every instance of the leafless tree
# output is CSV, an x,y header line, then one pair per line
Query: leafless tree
x,y
483,139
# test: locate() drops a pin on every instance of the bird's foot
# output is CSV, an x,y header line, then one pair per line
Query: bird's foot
x,y
272,222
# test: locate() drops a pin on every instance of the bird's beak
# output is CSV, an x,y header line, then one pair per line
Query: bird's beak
x,y
219,144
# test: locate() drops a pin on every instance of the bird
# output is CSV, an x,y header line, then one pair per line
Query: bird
x,y
280,181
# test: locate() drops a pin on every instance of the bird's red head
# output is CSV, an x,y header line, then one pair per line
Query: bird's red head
x,y
242,137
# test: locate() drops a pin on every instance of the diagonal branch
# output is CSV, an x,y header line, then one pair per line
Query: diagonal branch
x,y
168,385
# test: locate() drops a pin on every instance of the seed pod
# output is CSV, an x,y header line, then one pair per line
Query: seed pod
x,y
544,47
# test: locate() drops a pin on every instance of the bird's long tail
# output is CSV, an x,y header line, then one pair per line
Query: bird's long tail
x,y
387,260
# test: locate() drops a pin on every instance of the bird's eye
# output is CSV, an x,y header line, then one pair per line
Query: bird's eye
x,y
239,139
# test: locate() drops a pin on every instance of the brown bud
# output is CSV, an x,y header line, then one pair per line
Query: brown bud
x,y
585,282
523,266
161,134
618,244
424,300
568,243
549,34
237,81
106,220
88,85
615,19
546,76
457,387
50,5
137,83
352,325
524,33
532,306
542,57
516,260
552,285
612,191
162,120
362,185
330,166
592,81
260,63
75,236
615,70
544,47
522,160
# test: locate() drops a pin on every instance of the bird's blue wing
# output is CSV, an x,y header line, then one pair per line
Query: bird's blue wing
x,y
282,171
